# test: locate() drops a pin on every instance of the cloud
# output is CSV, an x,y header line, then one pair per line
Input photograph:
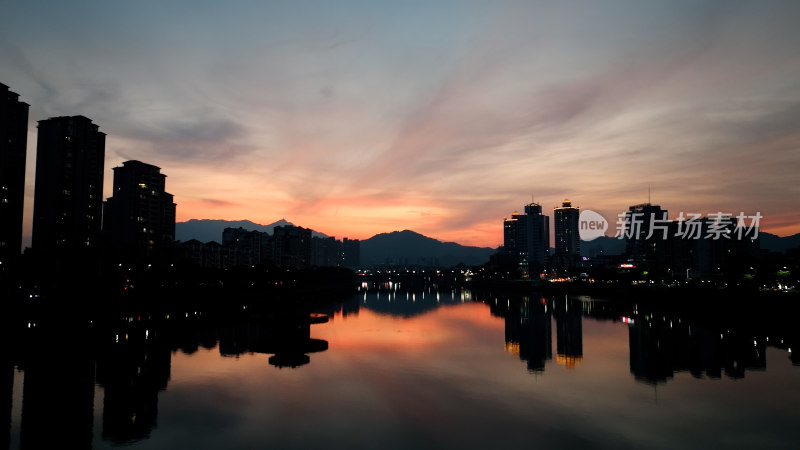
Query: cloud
x,y
433,118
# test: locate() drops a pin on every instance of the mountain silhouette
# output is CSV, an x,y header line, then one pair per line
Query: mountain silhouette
x,y
774,243
408,248
205,230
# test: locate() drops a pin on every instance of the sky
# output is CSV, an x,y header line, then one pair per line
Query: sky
x,y
444,117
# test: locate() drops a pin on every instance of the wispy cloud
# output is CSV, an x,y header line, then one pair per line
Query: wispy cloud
x,y
441,117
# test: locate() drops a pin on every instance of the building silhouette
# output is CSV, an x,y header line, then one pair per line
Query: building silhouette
x,y
246,247
643,248
139,218
326,251
526,239
513,237
292,246
538,231
351,253
568,241
67,204
13,149
689,247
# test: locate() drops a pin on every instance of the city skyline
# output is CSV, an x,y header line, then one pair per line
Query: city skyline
x,y
357,119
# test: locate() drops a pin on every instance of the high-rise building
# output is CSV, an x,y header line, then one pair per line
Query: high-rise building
x,y
526,238
351,253
139,218
568,241
538,231
514,238
291,246
326,251
647,231
13,145
67,203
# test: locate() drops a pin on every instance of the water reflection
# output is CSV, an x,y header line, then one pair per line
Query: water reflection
x,y
659,346
132,367
662,346
569,331
58,391
129,357
286,336
130,360
528,330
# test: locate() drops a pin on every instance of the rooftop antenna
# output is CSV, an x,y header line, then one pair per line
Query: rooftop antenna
x,y
648,194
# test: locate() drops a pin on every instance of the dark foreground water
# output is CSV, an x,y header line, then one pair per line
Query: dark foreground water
x,y
409,370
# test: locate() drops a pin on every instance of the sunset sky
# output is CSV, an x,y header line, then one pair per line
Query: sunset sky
x,y
443,117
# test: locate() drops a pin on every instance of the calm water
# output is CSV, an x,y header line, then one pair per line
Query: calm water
x,y
409,370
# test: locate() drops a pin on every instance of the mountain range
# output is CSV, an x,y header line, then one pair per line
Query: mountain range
x,y
206,230
410,248
396,248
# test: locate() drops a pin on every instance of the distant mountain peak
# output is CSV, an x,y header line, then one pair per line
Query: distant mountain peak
x,y
408,247
206,230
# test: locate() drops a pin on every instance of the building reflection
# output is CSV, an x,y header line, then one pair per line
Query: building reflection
x,y
349,307
64,359
7,388
58,388
528,330
662,345
66,363
133,366
285,335
568,313
528,333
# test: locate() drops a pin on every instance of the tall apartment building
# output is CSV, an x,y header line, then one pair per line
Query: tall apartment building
x,y
291,246
67,203
351,253
139,217
567,250
647,235
526,238
13,150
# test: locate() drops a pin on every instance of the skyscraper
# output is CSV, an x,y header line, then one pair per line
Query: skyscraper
x,y
568,240
139,218
526,238
13,145
515,239
538,230
67,202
